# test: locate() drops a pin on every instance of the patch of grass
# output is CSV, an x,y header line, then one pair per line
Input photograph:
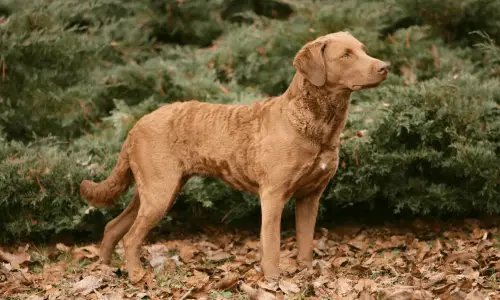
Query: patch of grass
x,y
374,274
168,279
36,291
37,269
209,264
493,279
430,244
74,267
497,238
116,260
224,294
301,296
64,257
287,233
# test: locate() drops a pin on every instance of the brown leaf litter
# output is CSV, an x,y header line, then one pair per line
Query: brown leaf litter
x,y
421,260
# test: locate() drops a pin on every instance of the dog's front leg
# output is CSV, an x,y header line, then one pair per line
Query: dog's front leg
x,y
306,211
272,204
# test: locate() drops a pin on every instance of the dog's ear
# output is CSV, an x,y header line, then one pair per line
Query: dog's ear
x,y
309,62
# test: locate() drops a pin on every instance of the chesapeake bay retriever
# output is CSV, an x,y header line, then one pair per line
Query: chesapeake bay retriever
x,y
278,148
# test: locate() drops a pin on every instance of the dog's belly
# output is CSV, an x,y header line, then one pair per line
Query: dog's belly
x,y
239,183
233,174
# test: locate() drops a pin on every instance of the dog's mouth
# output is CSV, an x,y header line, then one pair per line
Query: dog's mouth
x,y
357,87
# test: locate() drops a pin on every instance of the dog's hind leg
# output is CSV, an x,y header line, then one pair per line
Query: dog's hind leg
x,y
157,196
117,228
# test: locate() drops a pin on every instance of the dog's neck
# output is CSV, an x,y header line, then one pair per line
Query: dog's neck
x,y
317,113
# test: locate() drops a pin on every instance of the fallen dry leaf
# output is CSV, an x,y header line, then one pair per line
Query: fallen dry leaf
x,y
360,242
63,248
459,256
422,250
431,261
401,295
17,258
187,252
364,295
228,282
288,265
115,295
198,280
159,256
393,242
484,244
256,294
365,285
208,245
475,295
343,286
479,234
218,256
89,252
288,287
270,286
53,273
86,285
322,265
435,279
340,261
20,276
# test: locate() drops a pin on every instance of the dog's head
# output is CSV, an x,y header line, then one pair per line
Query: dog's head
x,y
339,59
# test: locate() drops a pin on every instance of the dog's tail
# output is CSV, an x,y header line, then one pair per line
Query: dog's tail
x,y
106,193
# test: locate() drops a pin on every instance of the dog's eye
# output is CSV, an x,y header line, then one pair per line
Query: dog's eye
x,y
346,54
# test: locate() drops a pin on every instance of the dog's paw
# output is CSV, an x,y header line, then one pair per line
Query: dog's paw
x,y
136,275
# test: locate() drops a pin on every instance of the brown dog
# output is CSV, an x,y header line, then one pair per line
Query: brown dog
x,y
282,147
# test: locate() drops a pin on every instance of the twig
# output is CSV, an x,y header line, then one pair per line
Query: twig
x,y
37,250
3,69
40,185
435,54
226,215
186,294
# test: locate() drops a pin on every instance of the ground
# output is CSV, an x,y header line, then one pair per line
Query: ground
x,y
417,260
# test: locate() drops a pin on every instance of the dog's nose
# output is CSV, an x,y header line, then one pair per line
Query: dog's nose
x,y
383,68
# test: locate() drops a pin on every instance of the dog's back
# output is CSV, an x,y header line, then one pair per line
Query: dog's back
x,y
210,139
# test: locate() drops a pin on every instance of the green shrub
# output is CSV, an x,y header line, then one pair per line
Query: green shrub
x,y
185,22
79,74
435,150
452,20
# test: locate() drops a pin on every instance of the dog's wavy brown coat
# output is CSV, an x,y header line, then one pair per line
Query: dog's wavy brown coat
x,y
278,148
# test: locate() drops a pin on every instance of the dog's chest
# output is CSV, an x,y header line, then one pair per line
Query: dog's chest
x,y
326,163
321,170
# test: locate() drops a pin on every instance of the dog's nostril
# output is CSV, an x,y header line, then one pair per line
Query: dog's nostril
x,y
384,68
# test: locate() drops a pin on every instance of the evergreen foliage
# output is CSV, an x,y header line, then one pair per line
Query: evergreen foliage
x,y
75,75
